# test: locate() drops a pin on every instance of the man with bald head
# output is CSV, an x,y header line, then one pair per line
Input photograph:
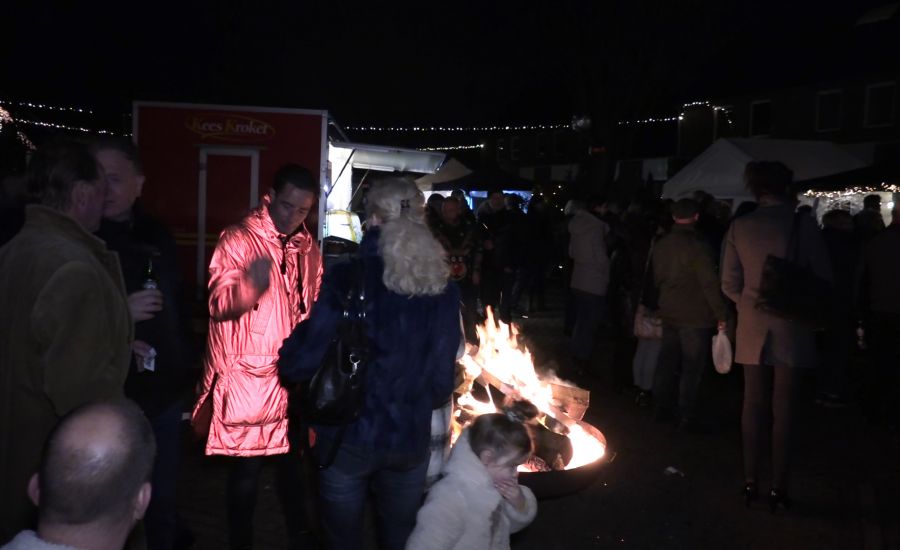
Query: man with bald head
x,y
94,480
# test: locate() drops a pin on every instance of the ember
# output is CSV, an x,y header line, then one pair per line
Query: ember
x,y
551,408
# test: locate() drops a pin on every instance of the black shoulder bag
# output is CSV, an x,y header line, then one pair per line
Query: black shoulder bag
x,y
335,394
791,290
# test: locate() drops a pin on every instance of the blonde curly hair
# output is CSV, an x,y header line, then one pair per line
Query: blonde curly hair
x,y
414,261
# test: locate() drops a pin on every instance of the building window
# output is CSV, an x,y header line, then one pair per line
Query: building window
x,y
879,109
760,118
828,110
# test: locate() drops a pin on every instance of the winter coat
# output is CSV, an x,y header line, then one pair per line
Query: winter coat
x,y
246,330
685,281
763,338
67,335
412,352
463,511
587,248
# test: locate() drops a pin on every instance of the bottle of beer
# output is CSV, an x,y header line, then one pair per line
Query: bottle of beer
x,y
150,281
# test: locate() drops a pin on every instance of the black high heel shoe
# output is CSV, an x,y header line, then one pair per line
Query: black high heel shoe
x,y
751,493
778,499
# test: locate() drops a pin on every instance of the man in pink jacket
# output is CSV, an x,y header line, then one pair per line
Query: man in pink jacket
x,y
264,278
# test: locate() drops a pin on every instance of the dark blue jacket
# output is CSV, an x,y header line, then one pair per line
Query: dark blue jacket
x,y
412,353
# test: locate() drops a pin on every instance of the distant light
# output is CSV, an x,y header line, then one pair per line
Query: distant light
x,y
890,205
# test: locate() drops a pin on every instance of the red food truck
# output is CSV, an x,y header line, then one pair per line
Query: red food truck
x,y
207,165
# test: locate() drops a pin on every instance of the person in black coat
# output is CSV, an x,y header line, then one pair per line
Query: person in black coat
x,y
158,377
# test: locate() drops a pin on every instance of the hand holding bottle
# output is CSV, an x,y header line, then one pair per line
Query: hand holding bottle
x,y
145,304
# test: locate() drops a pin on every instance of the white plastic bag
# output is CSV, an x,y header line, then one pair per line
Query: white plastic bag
x,y
721,352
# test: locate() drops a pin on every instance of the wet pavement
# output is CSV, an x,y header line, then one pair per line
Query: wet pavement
x,y
661,488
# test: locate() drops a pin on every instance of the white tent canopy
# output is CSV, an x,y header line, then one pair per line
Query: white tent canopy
x,y
451,170
719,170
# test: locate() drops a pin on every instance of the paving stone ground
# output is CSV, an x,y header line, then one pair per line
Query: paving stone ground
x,y
846,478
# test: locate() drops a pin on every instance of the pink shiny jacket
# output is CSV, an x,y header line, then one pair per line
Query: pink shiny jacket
x,y
246,329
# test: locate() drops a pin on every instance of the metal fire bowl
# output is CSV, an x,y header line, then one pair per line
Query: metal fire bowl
x,y
559,483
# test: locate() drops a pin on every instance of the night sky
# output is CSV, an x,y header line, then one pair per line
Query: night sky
x,y
419,63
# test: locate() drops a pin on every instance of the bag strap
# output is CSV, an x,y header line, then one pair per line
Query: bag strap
x,y
353,327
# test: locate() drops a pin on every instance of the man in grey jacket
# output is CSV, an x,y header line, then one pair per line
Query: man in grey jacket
x,y
590,277
686,288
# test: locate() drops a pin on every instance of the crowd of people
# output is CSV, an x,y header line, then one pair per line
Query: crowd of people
x,y
92,298
95,371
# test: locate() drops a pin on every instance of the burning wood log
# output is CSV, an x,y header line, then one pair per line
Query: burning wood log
x,y
562,440
554,449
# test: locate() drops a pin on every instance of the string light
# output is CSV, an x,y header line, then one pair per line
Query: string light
x,y
650,120
5,117
49,107
65,127
453,148
23,139
884,188
457,128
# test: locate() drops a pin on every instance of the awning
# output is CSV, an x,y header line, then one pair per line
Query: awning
x,y
391,159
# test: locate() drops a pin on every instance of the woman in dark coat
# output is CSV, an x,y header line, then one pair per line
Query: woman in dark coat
x,y
770,348
413,328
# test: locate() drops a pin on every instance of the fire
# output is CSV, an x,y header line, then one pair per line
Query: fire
x,y
509,364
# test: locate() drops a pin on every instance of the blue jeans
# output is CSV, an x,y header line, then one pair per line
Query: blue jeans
x,y
589,312
684,355
397,481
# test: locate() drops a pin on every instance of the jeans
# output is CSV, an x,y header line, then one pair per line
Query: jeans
x,y
590,310
160,520
397,481
768,407
683,356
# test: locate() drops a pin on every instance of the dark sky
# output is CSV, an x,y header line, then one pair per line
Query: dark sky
x,y
413,63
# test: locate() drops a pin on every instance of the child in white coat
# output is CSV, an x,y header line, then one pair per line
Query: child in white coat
x,y
479,502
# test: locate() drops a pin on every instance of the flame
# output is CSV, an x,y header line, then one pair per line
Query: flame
x,y
511,362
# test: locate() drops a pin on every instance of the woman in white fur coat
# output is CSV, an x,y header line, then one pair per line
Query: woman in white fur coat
x,y
479,502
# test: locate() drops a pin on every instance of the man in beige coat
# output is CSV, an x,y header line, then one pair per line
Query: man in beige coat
x,y
64,318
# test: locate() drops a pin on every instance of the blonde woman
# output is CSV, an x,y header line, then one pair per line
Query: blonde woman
x,y
412,321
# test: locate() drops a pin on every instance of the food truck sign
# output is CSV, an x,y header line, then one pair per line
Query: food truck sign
x,y
229,127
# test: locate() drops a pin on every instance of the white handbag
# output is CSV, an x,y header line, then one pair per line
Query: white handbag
x,y
721,352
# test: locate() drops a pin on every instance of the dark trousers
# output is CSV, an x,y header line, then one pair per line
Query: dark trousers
x,y
160,521
683,357
768,409
508,297
469,310
397,481
838,342
590,309
243,482
883,368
